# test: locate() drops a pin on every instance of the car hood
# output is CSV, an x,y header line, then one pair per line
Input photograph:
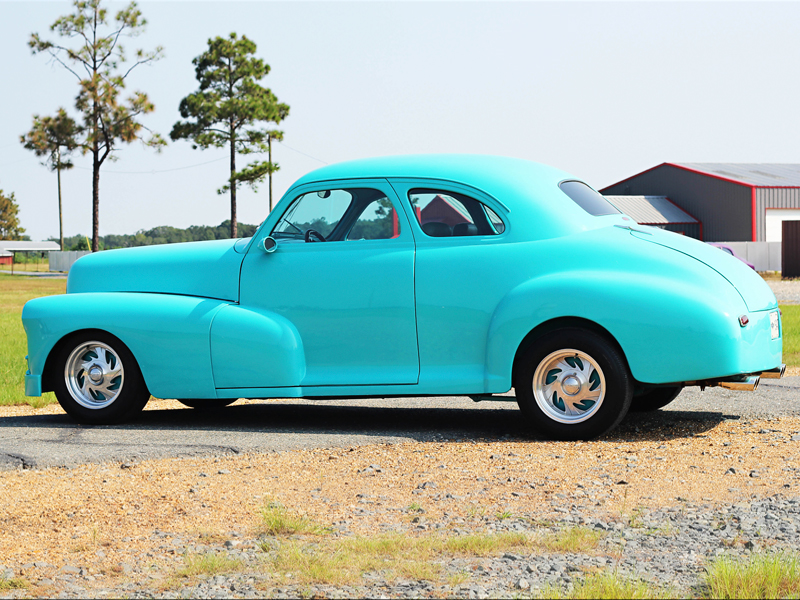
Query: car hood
x,y
205,269
756,294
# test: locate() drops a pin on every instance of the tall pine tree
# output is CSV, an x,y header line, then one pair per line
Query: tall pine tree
x,y
230,109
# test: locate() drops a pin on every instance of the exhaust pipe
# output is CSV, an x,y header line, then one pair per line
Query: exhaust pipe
x,y
747,384
775,373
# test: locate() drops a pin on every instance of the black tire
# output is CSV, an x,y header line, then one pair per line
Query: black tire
x,y
207,403
655,398
128,399
617,391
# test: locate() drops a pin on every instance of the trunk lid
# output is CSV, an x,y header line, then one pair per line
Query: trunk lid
x,y
755,292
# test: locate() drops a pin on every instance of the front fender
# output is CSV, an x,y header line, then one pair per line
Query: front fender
x,y
168,334
670,329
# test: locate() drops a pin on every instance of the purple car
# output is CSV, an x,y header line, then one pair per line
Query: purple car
x,y
729,250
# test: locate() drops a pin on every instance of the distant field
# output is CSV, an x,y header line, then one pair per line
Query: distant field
x,y
15,291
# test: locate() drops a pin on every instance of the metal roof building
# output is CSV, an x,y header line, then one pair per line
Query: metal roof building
x,y
658,211
732,201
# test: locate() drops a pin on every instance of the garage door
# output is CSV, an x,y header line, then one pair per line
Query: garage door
x,y
775,218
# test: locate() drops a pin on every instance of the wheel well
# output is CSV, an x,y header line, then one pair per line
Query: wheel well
x,y
48,373
562,323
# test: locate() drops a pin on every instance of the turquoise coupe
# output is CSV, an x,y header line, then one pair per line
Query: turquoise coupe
x,y
413,276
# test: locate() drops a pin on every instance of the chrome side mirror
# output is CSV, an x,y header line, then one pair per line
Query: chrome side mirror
x,y
269,245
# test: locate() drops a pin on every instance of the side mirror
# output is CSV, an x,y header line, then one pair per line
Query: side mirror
x,y
269,245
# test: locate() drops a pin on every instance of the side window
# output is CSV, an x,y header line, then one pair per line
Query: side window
x,y
338,215
449,214
378,221
320,211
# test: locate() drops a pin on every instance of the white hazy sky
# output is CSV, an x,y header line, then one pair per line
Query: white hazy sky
x,y
602,90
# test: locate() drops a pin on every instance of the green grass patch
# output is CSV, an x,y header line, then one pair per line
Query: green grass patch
x,y
572,540
276,519
790,320
208,564
15,291
607,586
345,561
759,576
15,583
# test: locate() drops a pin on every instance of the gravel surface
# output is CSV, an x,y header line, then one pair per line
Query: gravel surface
x,y
787,292
666,492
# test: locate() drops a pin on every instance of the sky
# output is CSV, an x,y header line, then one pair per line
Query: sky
x,y
602,90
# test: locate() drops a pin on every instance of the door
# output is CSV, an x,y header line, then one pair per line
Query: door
x,y
343,275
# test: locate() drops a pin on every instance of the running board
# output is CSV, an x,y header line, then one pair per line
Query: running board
x,y
491,398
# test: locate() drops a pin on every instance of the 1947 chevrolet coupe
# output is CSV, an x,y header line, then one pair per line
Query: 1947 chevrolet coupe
x,y
413,276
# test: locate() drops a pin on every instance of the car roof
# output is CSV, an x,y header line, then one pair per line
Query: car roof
x,y
525,188
485,172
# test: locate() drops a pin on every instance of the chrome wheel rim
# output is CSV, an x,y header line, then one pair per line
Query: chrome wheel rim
x,y
94,375
569,386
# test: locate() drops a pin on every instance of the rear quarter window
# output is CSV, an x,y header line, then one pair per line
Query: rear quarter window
x,y
589,200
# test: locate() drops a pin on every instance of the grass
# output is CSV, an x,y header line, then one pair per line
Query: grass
x,y
790,319
607,585
41,265
15,583
276,519
573,540
15,291
336,561
760,576
208,564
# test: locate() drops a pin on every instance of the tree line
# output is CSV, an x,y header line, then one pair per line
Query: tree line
x,y
163,234
230,109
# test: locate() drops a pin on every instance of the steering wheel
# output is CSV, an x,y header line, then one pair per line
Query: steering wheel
x,y
315,233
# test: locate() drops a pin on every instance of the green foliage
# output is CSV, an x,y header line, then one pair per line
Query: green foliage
x,y
161,235
10,228
230,108
53,138
760,576
96,61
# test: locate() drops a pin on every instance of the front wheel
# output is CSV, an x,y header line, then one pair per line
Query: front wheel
x,y
97,379
572,384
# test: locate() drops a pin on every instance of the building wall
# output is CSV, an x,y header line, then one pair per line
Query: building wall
x,y
781,198
724,208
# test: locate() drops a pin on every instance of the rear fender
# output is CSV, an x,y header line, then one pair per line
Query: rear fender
x,y
669,330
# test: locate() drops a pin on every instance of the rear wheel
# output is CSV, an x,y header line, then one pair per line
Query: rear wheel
x,y
97,379
572,384
208,403
655,398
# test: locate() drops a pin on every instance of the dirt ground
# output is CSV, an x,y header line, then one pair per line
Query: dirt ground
x,y
102,515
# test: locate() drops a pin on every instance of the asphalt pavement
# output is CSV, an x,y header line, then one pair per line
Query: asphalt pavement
x,y
56,441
